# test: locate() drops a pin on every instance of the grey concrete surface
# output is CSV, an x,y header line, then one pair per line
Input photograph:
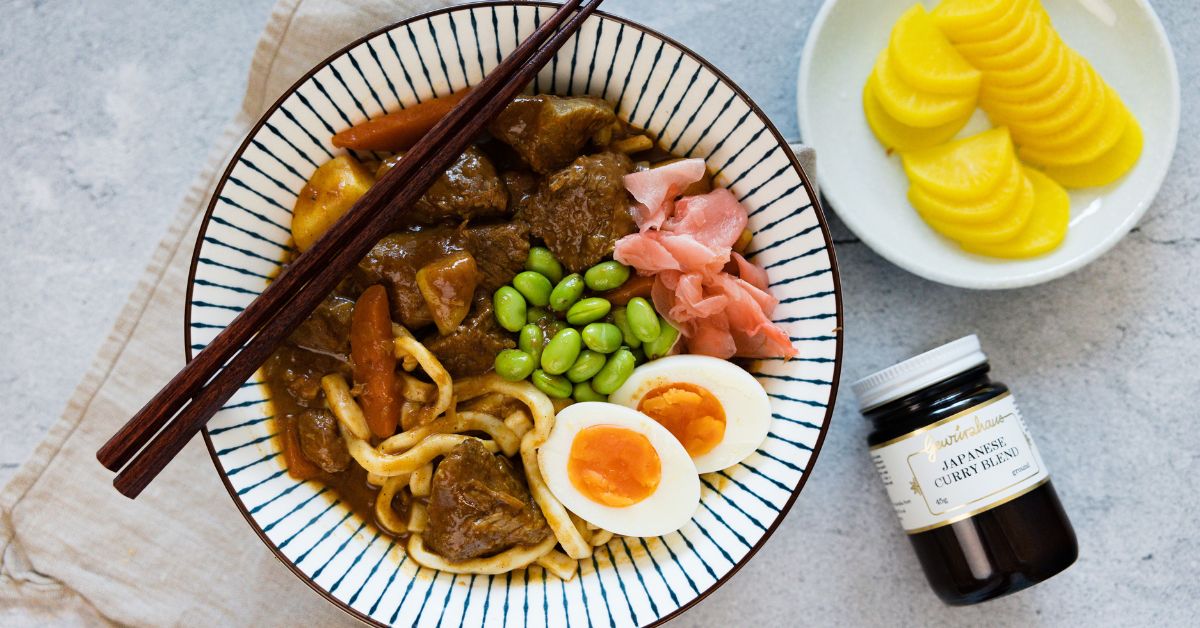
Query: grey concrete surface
x,y
109,109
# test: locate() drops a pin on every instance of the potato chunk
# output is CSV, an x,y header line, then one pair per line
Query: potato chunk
x,y
329,193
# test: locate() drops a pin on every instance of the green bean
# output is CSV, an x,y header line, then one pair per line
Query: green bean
x,y
541,260
556,386
586,366
531,340
643,320
606,276
584,392
566,293
514,365
618,369
510,308
662,345
561,352
622,322
588,310
602,337
534,287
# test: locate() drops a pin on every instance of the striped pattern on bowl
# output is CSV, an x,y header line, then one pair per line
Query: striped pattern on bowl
x,y
695,111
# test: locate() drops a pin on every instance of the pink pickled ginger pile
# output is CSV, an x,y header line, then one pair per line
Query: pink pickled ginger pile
x,y
719,301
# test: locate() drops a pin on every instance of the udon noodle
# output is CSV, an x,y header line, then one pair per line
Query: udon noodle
x,y
403,465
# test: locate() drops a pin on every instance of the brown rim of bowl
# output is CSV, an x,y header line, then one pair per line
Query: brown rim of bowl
x,y
819,212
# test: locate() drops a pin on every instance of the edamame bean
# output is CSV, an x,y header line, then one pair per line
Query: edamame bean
x,y
514,365
556,386
622,323
606,276
583,392
588,310
531,340
643,320
561,352
662,345
541,260
602,337
510,308
616,370
534,287
586,366
639,355
566,293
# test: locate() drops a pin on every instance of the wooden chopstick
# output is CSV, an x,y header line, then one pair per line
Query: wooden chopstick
x,y
187,383
275,314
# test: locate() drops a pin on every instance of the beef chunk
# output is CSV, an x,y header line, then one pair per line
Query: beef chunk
x,y
549,131
472,347
522,187
320,441
298,373
470,188
499,252
327,330
479,506
582,210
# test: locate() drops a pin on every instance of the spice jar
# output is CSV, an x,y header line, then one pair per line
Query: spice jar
x,y
964,475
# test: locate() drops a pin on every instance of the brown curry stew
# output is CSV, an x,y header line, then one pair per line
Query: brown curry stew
x,y
548,173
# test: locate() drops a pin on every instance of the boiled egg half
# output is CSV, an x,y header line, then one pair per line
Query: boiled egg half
x,y
619,470
716,410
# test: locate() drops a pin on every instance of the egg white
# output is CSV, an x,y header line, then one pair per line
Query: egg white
x,y
667,509
747,409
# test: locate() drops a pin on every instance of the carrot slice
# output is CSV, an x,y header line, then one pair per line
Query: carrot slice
x,y
399,130
374,360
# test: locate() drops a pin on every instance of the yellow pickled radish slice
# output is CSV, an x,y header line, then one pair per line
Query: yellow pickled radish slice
x,y
1078,146
1101,120
963,170
1106,168
900,137
1074,110
995,25
1047,226
1047,81
1033,109
959,15
974,51
1050,60
912,107
991,208
926,60
1005,228
1024,52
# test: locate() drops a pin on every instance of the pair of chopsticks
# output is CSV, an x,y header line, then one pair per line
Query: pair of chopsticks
x,y
156,434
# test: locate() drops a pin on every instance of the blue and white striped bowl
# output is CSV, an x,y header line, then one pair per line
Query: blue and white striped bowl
x,y
658,85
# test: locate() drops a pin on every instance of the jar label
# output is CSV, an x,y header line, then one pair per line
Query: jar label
x,y
960,466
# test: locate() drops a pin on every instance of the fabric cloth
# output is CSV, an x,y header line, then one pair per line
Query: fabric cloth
x,y
75,552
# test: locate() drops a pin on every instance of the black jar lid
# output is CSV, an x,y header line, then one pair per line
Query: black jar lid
x,y
918,372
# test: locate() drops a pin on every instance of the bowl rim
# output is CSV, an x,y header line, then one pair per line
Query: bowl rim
x,y
1023,280
839,329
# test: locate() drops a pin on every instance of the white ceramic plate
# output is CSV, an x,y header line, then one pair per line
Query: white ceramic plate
x,y
694,110
1123,39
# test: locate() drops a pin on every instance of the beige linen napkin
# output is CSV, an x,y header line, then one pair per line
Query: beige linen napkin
x,y
73,551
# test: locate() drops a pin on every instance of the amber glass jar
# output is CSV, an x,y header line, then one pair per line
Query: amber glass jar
x,y
964,475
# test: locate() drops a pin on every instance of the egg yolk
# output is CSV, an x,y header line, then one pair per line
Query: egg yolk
x,y
689,412
613,465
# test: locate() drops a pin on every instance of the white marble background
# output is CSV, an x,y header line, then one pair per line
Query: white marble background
x,y
109,107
